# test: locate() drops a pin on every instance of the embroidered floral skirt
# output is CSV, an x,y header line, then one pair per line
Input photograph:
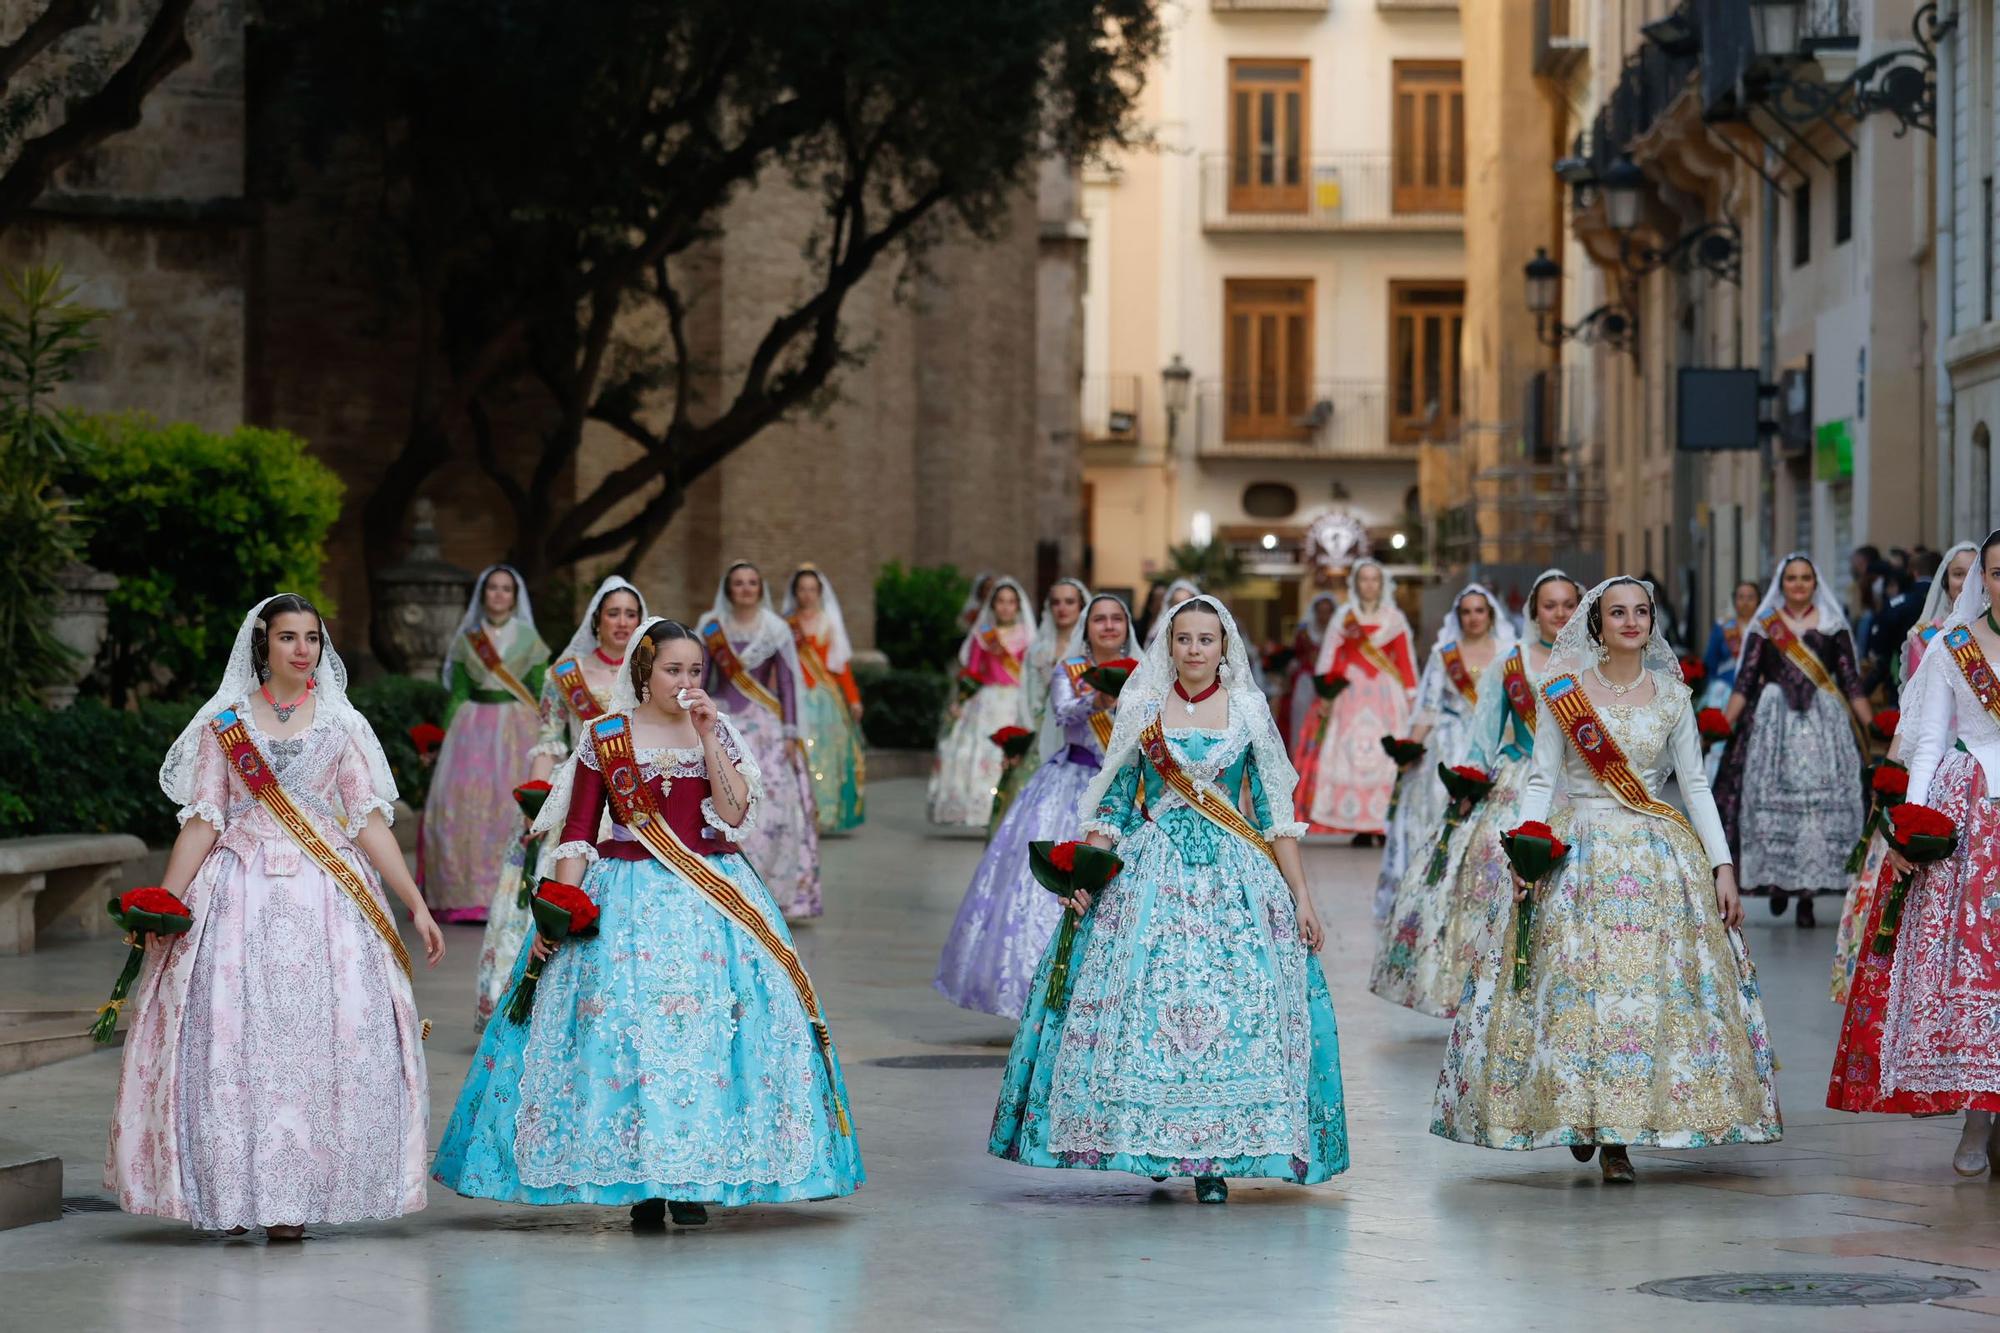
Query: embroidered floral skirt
x,y
507,924
1855,912
1800,799
1434,935
1345,780
1004,924
966,773
1419,814
1919,1035
273,1074
471,823
834,750
667,1057
784,844
1199,1038
1641,1022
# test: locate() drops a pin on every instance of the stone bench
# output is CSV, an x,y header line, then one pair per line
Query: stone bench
x,y
47,876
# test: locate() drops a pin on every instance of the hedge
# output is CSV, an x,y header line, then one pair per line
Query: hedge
x,y
916,614
901,710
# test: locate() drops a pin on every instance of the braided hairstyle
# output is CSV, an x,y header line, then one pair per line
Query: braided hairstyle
x,y
646,650
284,604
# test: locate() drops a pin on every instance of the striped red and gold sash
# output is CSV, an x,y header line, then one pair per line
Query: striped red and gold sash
x,y
1519,689
997,648
720,652
632,799
810,657
1455,670
1808,662
496,666
576,690
1100,723
1205,801
1370,651
249,764
1972,664
1572,710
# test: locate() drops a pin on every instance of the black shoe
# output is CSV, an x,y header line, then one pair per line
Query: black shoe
x,y
1211,1189
688,1214
1777,902
1804,919
1583,1152
649,1215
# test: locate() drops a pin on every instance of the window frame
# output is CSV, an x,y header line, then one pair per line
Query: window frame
x,y
1412,151
1254,299
1244,152
1408,427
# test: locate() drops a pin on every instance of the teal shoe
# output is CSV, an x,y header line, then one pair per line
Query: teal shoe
x,y
1211,1189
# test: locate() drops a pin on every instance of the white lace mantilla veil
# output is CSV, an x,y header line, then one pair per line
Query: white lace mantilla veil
x,y
1045,628
1936,670
1079,635
239,682
1144,694
625,698
584,641
1502,631
839,648
1935,605
1576,652
1831,617
770,635
1182,589
973,601
1330,643
524,613
1314,630
1026,619
1549,575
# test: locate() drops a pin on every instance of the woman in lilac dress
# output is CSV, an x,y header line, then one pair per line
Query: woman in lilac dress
x,y
754,676
1007,918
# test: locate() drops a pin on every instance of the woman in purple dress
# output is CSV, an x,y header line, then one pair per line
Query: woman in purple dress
x,y
754,676
1007,918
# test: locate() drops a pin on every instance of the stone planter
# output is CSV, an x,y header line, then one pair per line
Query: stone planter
x,y
82,619
420,600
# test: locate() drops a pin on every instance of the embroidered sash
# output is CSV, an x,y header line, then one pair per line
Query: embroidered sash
x,y
1100,723
1520,690
576,690
632,799
1455,669
1929,632
810,657
496,666
1204,801
1973,666
1370,651
716,640
244,757
1732,635
1807,661
997,647
1573,712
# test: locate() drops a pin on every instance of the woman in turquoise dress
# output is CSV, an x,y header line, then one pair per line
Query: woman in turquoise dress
x,y
672,1056
1198,1038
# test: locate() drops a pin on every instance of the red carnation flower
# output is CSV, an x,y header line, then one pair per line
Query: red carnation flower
x,y
1063,856
1713,723
1891,780
155,900
1120,664
1693,672
1920,821
582,911
1535,828
1005,734
426,736
1886,721
1471,774
536,786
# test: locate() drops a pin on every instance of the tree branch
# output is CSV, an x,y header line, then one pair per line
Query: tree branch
x,y
61,18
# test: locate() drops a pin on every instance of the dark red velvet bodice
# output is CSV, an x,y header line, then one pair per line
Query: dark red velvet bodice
x,y
678,799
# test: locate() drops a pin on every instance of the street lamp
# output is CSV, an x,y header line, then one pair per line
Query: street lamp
x,y
1174,381
1544,283
1775,25
1623,185
1607,324
1901,81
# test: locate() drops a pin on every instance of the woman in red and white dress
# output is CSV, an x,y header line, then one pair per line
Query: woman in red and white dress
x,y
1346,782
1299,694
1919,1036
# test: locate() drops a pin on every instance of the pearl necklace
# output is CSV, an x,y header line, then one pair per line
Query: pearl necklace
x,y
1618,691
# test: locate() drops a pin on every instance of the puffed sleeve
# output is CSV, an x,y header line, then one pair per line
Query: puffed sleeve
x,y
211,786
1071,704
1117,813
586,808
1929,733
1695,791
1551,747
537,679
354,783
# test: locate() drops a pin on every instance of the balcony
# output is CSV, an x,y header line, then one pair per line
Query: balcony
x,y
1269,6
1338,192
1340,419
1111,409
1562,36
1417,6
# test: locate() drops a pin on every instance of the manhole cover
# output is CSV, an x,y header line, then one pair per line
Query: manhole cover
x,y
941,1062
1809,1288
88,1203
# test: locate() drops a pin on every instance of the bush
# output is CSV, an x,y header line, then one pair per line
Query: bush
x,y
195,525
916,614
392,706
901,710
91,769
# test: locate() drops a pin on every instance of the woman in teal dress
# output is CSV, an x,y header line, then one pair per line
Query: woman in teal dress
x,y
1198,1037
672,1055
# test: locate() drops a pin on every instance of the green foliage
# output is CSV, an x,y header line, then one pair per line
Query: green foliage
x,y
392,706
902,710
1216,567
197,526
43,332
91,769
916,614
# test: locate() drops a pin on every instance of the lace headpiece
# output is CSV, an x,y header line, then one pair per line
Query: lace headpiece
x,y
475,611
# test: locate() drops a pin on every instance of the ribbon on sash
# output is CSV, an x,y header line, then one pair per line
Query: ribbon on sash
x,y
496,666
1972,664
1455,670
632,801
249,764
1519,689
1205,801
1573,712
996,647
1370,651
576,690
716,640
1100,723
1808,662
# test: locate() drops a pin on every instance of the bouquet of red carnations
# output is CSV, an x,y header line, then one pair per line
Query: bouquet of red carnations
x,y
1713,724
139,913
1923,836
1109,677
1329,686
1885,722
1467,786
1062,868
1534,851
968,685
560,911
531,797
1404,751
1693,672
426,736
1888,784
1013,741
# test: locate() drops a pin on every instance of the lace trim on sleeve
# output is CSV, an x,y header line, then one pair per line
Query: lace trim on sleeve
x,y
557,750
734,832
569,849
586,754
203,810
357,819
1108,829
1276,831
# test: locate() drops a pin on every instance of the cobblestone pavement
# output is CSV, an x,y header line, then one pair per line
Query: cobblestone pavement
x,y
1421,1234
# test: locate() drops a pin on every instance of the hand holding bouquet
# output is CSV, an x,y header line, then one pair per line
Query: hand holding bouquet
x,y
968,685
1467,786
1064,868
426,736
1888,784
531,797
1405,752
1108,678
1534,851
1013,742
1921,836
560,911
139,912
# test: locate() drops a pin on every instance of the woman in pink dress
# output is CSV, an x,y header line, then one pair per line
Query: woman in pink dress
x,y
1345,779
966,774
273,1074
